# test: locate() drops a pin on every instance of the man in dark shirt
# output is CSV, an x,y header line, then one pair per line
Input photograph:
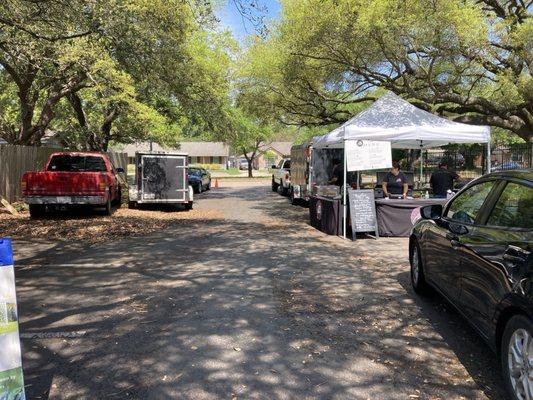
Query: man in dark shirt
x,y
442,180
338,173
395,182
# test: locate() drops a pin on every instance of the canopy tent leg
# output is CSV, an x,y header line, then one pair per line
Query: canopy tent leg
x,y
421,162
344,211
488,156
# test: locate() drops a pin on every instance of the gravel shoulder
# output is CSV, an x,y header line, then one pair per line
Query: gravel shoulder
x,y
246,302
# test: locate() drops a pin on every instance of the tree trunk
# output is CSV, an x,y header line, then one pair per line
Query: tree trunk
x,y
250,169
105,129
27,109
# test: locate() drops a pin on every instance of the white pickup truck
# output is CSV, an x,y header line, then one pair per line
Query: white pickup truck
x,y
281,176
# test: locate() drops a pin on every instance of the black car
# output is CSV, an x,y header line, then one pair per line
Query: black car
x,y
477,251
199,179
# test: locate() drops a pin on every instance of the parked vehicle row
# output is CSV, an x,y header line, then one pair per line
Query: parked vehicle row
x,y
75,179
477,251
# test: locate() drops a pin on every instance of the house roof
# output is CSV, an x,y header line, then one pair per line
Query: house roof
x,y
198,149
282,148
193,149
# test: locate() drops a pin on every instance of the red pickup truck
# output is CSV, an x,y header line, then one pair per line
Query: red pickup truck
x,y
72,179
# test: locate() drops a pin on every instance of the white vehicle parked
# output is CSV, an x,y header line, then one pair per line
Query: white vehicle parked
x,y
281,176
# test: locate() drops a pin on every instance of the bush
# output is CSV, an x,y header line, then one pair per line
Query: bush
x,y
209,167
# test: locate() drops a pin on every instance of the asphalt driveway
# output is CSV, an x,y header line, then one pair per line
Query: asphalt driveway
x,y
252,303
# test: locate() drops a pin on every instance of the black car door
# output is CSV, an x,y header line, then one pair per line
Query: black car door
x,y
493,254
445,238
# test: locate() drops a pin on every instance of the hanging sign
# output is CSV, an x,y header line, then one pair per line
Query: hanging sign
x,y
11,377
362,155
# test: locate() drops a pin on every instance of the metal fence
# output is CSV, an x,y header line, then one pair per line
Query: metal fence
x,y
471,162
16,160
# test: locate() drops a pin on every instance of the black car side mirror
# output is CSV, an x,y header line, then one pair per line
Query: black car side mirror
x,y
119,170
457,229
431,212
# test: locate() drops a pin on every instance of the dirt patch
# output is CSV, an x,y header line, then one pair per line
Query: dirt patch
x,y
96,228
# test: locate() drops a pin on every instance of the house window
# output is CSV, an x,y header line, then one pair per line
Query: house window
x,y
216,160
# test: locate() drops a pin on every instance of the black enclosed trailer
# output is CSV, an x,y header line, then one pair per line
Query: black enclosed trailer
x,y
161,178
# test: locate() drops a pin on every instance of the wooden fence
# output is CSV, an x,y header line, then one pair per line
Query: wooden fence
x,y
15,160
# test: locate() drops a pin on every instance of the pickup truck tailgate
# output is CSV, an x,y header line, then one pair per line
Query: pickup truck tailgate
x,y
65,183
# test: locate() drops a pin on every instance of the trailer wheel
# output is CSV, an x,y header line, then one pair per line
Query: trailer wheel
x,y
188,206
37,210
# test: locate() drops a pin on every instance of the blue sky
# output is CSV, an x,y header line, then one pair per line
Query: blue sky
x,y
230,17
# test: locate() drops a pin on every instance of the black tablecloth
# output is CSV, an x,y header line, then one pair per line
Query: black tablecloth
x,y
394,216
325,214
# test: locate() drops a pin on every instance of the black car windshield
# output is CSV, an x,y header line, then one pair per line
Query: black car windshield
x,y
68,163
196,172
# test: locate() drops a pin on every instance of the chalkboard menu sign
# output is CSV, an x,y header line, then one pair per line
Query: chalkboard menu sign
x,y
363,211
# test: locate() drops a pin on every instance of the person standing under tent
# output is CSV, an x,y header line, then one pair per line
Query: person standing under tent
x,y
442,180
395,182
337,177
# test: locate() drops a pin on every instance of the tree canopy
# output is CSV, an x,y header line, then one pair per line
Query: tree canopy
x,y
97,71
101,71
468,60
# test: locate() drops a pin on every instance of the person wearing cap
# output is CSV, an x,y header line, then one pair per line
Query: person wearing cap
x,y
395,182
442,180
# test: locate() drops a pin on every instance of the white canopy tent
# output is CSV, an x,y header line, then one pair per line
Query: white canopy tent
x,y
397,121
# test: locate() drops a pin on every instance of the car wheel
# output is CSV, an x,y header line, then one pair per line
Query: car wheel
x,y
517,357
37,210
274,185
188,206
209,186
418,279
199,188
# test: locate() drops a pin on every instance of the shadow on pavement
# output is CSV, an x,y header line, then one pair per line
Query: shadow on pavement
x,y
237,309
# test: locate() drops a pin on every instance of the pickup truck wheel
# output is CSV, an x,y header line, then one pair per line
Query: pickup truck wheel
x,y
188,206
108,210
118,201
37,210
274,185
284,190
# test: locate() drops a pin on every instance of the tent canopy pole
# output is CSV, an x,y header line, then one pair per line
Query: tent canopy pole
x,y
421,162
344,212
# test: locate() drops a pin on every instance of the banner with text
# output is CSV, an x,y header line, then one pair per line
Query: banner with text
x,y
362,155
11,377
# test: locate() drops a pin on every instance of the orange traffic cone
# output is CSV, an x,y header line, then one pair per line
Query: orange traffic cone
x,y
216,183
